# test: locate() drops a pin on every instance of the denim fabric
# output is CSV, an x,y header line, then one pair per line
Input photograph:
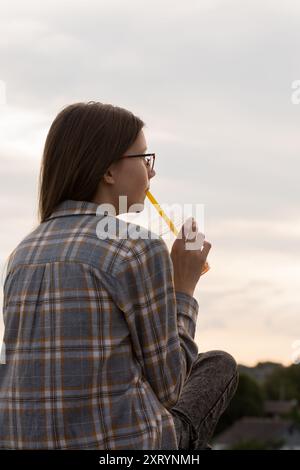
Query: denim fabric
x,y
206,394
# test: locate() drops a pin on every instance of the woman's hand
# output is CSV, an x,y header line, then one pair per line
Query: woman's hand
x,y
188,262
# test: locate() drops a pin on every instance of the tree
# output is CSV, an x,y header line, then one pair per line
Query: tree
x,y
255,444
283,384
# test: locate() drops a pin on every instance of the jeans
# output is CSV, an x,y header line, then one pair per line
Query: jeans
x,y
206,393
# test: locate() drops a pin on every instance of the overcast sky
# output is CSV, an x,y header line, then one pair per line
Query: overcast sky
x,y
212,79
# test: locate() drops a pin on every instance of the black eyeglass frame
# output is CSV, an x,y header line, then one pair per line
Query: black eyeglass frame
x,y
141,155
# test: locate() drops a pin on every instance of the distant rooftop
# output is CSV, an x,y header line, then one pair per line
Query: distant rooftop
x,y
257,429
279,407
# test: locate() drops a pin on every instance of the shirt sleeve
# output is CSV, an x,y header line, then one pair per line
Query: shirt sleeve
x,y
162,322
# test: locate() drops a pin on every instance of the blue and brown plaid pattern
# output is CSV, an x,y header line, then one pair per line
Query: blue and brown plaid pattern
x,y
98,344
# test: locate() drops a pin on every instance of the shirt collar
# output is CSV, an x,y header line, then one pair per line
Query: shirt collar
x,y
72,207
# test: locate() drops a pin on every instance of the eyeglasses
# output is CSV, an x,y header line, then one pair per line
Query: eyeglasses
x,y
148,157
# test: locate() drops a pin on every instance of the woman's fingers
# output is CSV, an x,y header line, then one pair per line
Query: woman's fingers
x,y
193,239
206,248
189,229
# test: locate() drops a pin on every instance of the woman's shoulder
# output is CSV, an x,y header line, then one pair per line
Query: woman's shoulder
x,y
141,247
106,248
143,240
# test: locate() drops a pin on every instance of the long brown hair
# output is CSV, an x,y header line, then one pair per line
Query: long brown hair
x,y
82,142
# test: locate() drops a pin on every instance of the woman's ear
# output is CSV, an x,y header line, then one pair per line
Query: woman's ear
x,y
108,176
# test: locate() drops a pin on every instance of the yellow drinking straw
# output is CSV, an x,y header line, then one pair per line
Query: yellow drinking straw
x,y
169,222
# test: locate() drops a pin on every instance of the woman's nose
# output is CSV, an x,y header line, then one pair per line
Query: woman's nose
x,y
153,173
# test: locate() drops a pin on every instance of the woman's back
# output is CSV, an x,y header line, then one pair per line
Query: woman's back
x,y
85,326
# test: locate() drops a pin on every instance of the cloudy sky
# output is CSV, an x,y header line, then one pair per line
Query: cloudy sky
x,y
212,79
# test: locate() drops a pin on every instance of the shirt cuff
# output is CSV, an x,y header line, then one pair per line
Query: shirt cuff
x,y
187,304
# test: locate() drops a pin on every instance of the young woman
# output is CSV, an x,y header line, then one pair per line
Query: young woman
x,y
99,332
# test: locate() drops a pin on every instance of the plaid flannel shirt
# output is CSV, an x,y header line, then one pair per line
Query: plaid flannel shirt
x,y
97,342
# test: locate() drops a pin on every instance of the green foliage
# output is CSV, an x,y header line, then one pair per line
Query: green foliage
x,y
294,417
254,444
283,384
